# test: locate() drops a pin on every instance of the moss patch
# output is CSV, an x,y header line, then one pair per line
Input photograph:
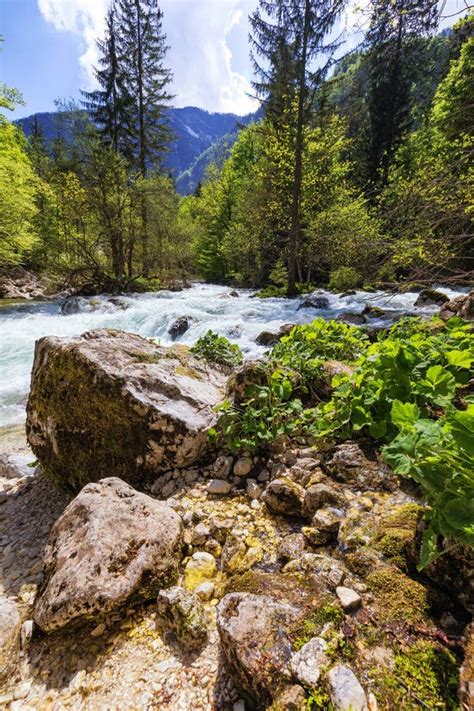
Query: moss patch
x,y
314,623
395,538
425,675
398,597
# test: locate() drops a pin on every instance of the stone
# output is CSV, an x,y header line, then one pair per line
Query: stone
x,y
200,534
329,369
222,467
291,698
319,495
205,591
284,496
110,544
430,297
182,612
307,663
26,633
291,546
327,520
178,327
349,599
346,692
462,305
233,554
243,466
254,491
352,319
315,301
316,537
99,630
112,401
269,338
9,638
200,568
350,464
219,487
252,630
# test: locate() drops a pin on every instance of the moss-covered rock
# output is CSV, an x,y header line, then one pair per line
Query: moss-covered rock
x,y
111,403
397,596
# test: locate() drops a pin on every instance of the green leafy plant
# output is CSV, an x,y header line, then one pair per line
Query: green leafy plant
x,y
217,349
344,278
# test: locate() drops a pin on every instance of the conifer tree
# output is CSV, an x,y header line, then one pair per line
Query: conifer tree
x,y
394,62
290,37
107,105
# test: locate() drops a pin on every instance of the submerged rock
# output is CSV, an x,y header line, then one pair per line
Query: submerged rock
x,y
178,327
315,301
430,297
109,402
111,544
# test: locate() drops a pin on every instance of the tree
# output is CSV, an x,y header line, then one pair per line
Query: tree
x,y
395,59
289,36
108,105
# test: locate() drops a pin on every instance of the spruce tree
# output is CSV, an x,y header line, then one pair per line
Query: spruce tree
x,y
290,36
395,60
108,105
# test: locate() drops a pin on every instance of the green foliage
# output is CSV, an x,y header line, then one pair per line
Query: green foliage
x,y
344,279
217,349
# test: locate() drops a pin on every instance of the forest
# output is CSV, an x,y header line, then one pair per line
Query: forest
x,y
358,173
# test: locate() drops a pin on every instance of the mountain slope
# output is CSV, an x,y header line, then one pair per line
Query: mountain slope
x,y
196,131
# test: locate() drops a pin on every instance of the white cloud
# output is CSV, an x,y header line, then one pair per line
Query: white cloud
x,y
198,33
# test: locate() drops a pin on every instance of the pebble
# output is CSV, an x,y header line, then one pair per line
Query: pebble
x,y
307,663
349,599
205,591
219,487
243,466
26,633
346,692
99,630
254,491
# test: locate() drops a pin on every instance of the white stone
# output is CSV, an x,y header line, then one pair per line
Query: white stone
x,y
200,535
219,486
243,466
205,591
306,664
349,599
346,692
26,633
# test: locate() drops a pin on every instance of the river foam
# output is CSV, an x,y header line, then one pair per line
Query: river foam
x,y
240,319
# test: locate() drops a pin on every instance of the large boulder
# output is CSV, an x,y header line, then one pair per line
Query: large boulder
x,y
112,544
109,402
9,638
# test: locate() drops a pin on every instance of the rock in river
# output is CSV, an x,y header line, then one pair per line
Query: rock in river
x,y
112,403
111,544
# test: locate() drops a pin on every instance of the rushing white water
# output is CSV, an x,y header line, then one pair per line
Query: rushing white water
x,y
209,307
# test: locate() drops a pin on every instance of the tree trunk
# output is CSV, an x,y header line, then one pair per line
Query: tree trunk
x,y
298,167
141,121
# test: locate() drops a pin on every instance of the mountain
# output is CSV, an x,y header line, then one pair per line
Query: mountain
x,y
201,137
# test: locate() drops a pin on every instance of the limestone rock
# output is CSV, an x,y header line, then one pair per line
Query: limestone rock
x,y
349,463
9,638
200,568
462,305
349,599
320,495
284,496
254,640
110,544
112,402
346,692
307,663
183,613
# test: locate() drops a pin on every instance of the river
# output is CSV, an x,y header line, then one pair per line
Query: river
x,y
240,319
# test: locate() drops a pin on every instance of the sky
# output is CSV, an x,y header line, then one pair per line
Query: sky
x,y
49,49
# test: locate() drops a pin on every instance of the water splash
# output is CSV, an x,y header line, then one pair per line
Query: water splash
x,y
208,307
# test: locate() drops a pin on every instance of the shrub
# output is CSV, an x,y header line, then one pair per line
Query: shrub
x,y
217,349
344,278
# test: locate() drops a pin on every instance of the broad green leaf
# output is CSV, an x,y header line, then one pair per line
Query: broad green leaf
x,y
459,359
404,413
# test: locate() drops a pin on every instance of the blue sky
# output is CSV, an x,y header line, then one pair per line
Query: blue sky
x,y
49,49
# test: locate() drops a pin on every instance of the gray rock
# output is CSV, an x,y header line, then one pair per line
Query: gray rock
x,y
269,338
183,613
284,496
291,546
348,463
178,327
346,692
252,630
222,467
112,401
291,698
430,297
352,319
200,534
219,487
205,591
320,495
327,520
73,305
254,491
243,466
9,638
349,599
315,301
306,664
110,544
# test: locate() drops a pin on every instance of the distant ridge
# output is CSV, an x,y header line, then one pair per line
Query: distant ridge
x,y
201,137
